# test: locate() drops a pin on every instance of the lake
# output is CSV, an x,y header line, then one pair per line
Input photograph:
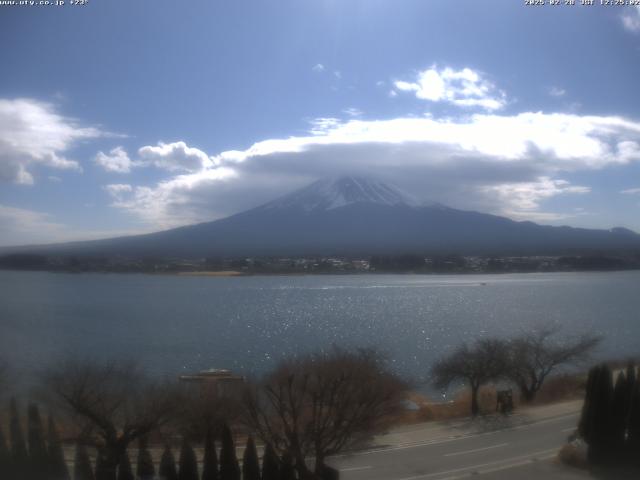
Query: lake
x,y
175,324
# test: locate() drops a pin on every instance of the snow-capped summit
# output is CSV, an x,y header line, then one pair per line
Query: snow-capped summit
x,y
332,193
354,216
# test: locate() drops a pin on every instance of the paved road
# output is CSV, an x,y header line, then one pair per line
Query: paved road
x,y
514,450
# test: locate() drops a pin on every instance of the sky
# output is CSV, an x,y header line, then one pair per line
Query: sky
x,y
121,117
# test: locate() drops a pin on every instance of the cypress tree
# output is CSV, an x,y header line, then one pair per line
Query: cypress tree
x,y
38,457
145,468
101,470
631,375
210,460
19,453
57,464
229,468
585,426
82,466
250,464
188,462
287,472
633,425
168,470
631,383
619,413
270,464
125,472
5,456
602,437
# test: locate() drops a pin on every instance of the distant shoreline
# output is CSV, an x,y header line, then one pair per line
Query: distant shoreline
x,y
235,273
223,273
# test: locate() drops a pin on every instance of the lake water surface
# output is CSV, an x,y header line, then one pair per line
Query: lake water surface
x,y
173,324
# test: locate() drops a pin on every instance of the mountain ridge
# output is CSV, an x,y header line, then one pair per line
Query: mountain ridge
x,y
350,216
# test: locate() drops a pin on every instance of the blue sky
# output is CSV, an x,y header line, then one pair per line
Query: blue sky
x,y
125,117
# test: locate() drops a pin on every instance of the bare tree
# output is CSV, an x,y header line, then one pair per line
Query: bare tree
x,y
323,404
476,365
532,357
113,404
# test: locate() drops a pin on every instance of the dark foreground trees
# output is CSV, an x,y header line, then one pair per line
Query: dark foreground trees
x,y
112,404
58,469
610,421
320,405
210,459
476,365
4,377
229,468
19,456
145,469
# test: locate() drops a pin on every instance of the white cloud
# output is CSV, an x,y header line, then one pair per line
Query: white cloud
x,y
631,19
18,224
561,141
318,68
319,126
117,160
181,200
352,112
463,88
631,191
497,163
557,92
33,134
176,156
117,190
523,198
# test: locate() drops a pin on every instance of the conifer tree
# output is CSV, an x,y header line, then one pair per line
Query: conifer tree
x,y
125,472
19,453
82,465
145,468
229,468
601,437
57,464
38,458
270,464
633,425
5,456
287,472
250,464
188,462
619,413
101,471
167,469
585,426
631,383
210,460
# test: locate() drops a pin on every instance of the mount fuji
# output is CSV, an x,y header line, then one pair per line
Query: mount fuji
x,y
352,216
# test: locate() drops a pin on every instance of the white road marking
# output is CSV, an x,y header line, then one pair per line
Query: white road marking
x,y
354,469
565,430
521,463
510,463
453,438
455,454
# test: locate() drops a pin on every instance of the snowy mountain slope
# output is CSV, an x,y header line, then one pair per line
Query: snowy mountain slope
x,y
352,216
331,193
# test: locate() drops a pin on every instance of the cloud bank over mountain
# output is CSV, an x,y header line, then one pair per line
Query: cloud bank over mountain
x,y
506,164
